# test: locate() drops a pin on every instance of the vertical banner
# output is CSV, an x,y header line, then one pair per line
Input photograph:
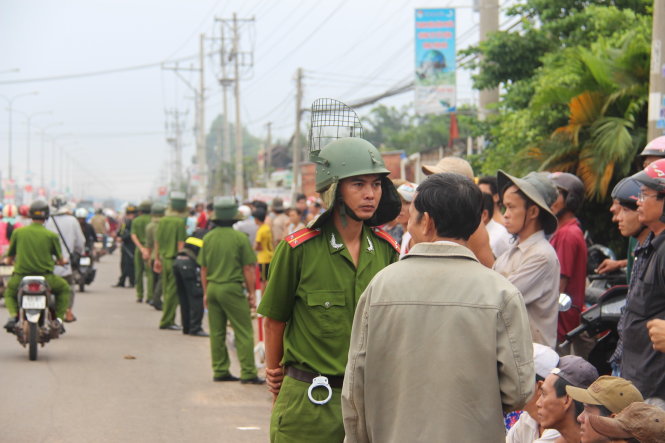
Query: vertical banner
x,y
435,84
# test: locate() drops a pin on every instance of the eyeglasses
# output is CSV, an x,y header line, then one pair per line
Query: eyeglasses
x,y
642,196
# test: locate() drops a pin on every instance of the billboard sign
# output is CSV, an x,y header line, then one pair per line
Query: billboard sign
x,y
435,83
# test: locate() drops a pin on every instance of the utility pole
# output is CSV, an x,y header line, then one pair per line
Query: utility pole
x,y
240,59
268,154
201,142
175,140
656,117
296,154
489,22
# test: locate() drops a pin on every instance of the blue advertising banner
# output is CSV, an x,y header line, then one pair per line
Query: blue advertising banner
x,y
435,84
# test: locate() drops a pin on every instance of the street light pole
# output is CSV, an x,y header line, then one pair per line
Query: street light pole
x,y
43,133
28,172
10,102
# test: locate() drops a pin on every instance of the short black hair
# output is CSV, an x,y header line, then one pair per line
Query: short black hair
x,y
260,214
209,207
560,389
301,197
260,204
491,181
488,204
454,203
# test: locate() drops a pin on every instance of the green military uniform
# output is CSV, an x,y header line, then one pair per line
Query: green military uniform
x,y
138,228
170,231
154,289
34,247
224,253
314,287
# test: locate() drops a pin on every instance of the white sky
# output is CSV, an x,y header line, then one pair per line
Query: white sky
x,y
115,124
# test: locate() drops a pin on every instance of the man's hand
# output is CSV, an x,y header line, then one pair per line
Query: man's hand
x,y
251,298
157,267
609,265
274,379
8,261
657,334
205,300
145,254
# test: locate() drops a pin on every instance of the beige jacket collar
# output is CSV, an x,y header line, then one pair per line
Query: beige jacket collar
x,y
447,249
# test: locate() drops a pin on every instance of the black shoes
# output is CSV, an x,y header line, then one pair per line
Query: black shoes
x,y
11,323
200,333
118,286
138,300
173,327
253,381
227,377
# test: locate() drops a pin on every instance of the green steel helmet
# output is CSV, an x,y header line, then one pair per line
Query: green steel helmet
x,y
225,208
350,157
145,207
178,201
39,210
346,157
158,209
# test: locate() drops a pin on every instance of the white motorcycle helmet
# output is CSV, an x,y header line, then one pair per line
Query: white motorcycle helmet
x,y
81,213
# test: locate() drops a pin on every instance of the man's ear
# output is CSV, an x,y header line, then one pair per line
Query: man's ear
x,y
428,225
533,212
568,402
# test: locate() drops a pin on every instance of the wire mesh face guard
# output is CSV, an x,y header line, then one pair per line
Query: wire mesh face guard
x,y
331,120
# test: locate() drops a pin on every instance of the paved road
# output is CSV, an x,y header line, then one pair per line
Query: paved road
x,y
82,388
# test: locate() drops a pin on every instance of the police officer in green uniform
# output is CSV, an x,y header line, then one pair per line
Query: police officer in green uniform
x,y
34,247
227,260
141,252
154,286
317,276
169,239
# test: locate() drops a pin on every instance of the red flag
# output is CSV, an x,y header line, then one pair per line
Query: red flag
x,y
454,130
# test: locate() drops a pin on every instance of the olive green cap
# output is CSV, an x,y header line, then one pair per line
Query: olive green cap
x,y
225,208
145,206
178,201
158,209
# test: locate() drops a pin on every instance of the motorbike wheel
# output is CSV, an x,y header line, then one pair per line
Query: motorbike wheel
x,y
32,341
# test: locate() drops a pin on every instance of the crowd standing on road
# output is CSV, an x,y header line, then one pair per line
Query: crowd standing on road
x,y
394,311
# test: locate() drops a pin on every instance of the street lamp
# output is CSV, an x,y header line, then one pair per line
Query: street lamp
x,y
43,133
53,140
28,174
10,101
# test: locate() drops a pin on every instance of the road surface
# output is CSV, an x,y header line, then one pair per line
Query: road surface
x,y
115,377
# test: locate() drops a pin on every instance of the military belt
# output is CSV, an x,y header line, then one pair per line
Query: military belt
x,y
335,381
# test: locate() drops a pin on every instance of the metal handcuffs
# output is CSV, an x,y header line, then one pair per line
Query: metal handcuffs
x,y
319,381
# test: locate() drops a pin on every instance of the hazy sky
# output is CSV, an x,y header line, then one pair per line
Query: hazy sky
x,y
114,125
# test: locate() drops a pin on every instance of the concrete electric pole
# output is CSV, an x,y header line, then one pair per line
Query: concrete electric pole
x,y
489,22
296,154
656,117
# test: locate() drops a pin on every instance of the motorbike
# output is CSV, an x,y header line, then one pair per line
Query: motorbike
x,y
85,272
37,323
601,321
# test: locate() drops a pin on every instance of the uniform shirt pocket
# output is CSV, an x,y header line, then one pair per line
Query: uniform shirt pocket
x,y
328,312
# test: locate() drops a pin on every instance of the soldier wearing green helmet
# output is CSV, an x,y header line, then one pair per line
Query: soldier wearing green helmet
x,y
227,261
169,239
154,287
316,278
141,255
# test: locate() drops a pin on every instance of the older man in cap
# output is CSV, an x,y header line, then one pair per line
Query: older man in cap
x,y
558,410
531,263
638,422
227,260
606,397
169,239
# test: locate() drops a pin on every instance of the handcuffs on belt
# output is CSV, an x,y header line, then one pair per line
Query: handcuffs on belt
x,y
319,381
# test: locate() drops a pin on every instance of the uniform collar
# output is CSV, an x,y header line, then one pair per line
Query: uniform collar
x,y
336,244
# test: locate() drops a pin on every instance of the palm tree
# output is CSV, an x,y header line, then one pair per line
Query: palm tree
x,y
606,90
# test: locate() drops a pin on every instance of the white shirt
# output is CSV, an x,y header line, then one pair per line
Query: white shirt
x,y
71,233
533,267
499,237
525,430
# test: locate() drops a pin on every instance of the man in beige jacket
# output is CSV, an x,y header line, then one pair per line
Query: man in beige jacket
x,y
440,345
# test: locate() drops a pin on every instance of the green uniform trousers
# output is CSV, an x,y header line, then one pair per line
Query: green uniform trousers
x,y
59,287
140,267
170,291
296,419
227,302
150,281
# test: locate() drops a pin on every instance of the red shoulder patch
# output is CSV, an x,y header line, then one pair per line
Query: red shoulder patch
x,y
386,237
301,236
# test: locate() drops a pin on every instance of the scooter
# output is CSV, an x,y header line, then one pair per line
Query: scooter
x,y
36,323
85,273
601,320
